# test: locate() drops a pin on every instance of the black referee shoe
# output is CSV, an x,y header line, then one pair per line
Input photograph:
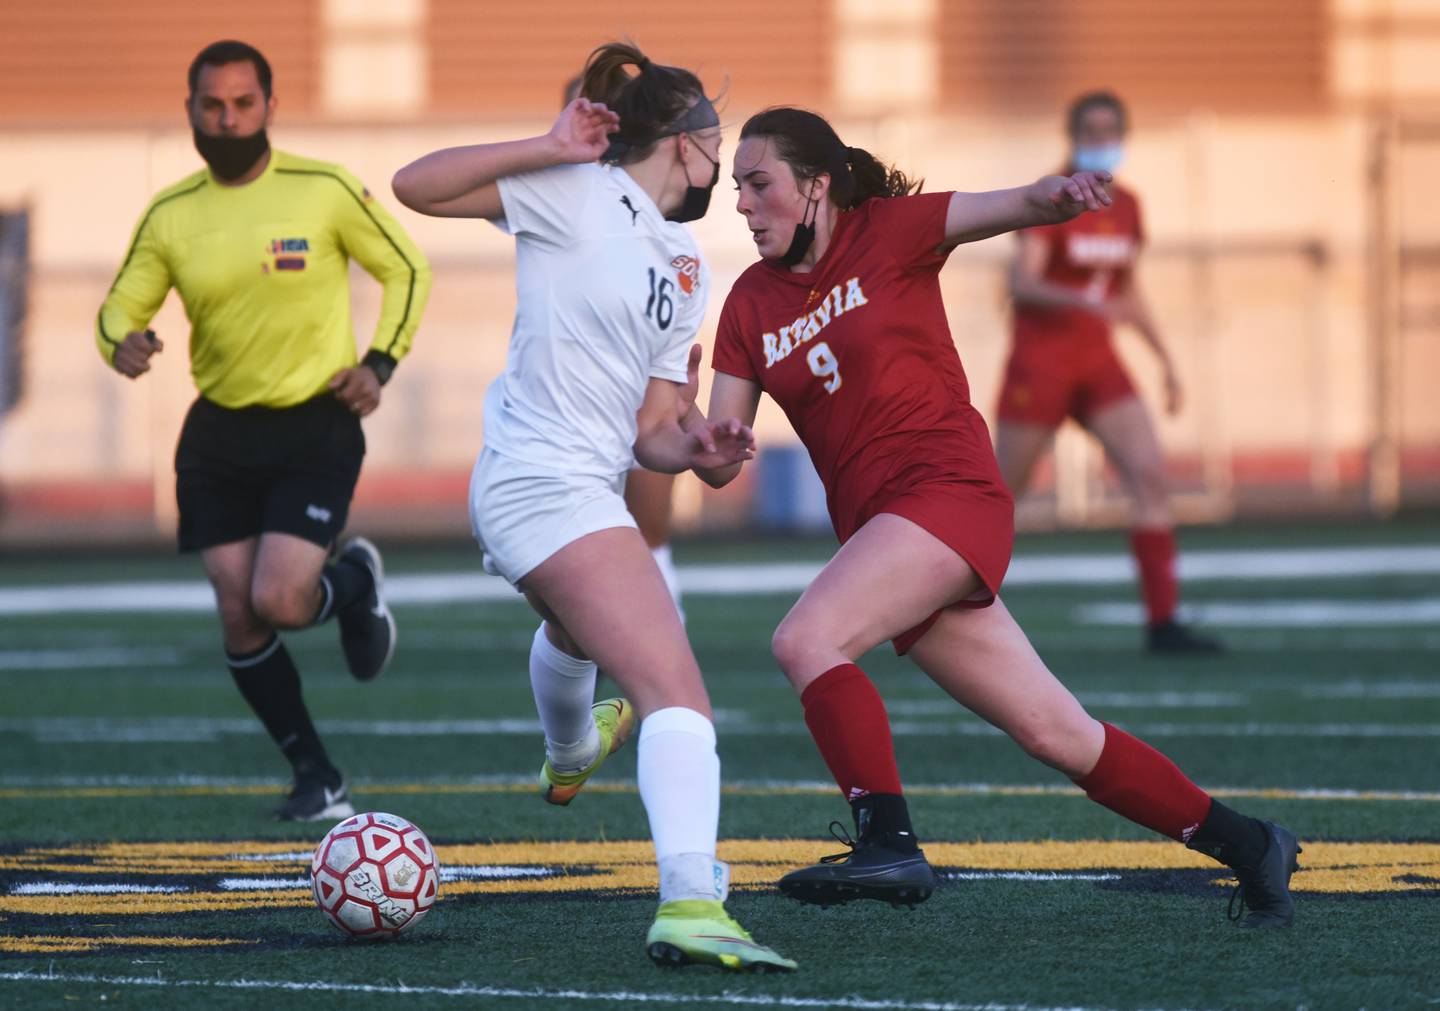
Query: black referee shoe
x,y
1169,636
318,796
367,628
870,870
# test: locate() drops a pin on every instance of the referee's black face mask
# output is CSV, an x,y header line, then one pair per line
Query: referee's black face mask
x,y
231,157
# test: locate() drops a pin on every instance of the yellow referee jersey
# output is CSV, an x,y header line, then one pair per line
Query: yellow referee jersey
x,y
263,271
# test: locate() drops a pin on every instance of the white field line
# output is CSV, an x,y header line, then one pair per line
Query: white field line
x,y
1373,690
100,657
757,787
757,578
1025,876
1278,614
80,888
200,730
476,872
470,990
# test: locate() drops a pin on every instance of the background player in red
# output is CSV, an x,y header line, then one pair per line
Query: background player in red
x,y
843,324
1072,282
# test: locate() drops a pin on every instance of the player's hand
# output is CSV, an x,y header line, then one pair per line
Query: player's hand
x,y
723,443
582,133
357,388
690,392
1070,196
132,357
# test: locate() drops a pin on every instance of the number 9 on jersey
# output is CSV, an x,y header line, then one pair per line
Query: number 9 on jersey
x,y
824,365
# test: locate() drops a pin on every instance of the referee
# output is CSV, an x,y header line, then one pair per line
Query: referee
x,y
258,246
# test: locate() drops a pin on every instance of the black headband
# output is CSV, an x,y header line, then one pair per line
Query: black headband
x,y
700,116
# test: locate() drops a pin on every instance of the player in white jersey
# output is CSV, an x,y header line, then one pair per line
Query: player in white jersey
x,y
600,374
649,494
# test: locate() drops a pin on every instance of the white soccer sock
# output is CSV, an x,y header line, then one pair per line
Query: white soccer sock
x,y
672,578
564,688
679,775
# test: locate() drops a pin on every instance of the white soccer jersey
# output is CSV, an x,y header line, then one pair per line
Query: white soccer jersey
x,y
610,295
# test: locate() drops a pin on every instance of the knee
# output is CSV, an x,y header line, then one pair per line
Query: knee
x,y
242,627
1061,744
282,605
789,645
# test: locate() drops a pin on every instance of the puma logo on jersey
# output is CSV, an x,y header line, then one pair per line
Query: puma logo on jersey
x,y
634,213
1100,250
687,273
837,302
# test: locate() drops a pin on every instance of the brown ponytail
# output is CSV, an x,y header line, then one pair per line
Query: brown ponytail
x,y
648,101
811,147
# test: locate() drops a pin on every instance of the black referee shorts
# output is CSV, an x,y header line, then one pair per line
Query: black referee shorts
x,y
243,472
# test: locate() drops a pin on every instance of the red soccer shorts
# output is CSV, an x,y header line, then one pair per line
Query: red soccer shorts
x,y
1049,381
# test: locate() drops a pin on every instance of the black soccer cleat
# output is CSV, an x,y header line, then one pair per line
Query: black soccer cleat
x,y
870,870
1264,889
367,628
317,797
1169,636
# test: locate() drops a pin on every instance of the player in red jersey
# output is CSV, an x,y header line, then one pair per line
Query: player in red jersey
x,y
1071,282
842,323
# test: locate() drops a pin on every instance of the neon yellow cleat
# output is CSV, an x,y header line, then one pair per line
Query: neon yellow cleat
x,y
700,932
615,719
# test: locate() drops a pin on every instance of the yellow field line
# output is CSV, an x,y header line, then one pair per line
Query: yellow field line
x,y
776,790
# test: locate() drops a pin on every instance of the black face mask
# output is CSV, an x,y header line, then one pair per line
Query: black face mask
x,y
804,235
697,198
231,157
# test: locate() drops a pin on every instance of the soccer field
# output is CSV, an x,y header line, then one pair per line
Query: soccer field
x,y
138,864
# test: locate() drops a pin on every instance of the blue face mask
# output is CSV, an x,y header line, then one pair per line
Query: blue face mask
x,y
1101,158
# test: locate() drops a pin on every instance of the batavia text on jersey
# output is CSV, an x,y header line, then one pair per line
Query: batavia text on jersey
x,y
841,299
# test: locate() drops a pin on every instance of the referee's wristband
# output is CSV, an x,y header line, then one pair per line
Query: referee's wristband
x,y
379,363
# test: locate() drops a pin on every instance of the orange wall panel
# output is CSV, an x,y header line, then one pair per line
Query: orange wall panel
x,y
1228,55
101,61
512,59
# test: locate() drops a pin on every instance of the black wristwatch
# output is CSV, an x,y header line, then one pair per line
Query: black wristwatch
x,y
379,363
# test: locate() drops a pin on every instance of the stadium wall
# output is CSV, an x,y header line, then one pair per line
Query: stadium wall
x,y
1261,206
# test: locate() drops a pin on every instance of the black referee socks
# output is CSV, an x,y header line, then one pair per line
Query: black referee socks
x,y
268,680
341,584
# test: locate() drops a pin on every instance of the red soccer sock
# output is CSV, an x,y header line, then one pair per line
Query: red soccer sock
x,y
847,718
1154,551
1136,781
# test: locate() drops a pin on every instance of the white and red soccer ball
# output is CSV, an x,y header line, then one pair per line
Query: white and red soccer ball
x,y
375,875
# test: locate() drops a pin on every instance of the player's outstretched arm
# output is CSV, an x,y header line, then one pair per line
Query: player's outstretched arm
x,y
670,441
459,182
730,397
1130,306
1050,199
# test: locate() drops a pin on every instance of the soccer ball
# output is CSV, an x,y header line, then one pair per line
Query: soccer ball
x,y
375,875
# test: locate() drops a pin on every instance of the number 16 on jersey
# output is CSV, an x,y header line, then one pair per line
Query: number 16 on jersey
x,y
824,365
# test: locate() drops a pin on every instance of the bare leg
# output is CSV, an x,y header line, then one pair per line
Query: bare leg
x,y
1126,432
649,497
1018,447
637,637
285,590
263,670
984,661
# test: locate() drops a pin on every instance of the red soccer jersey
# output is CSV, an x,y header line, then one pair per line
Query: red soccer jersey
x,y
1093,253
858,354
